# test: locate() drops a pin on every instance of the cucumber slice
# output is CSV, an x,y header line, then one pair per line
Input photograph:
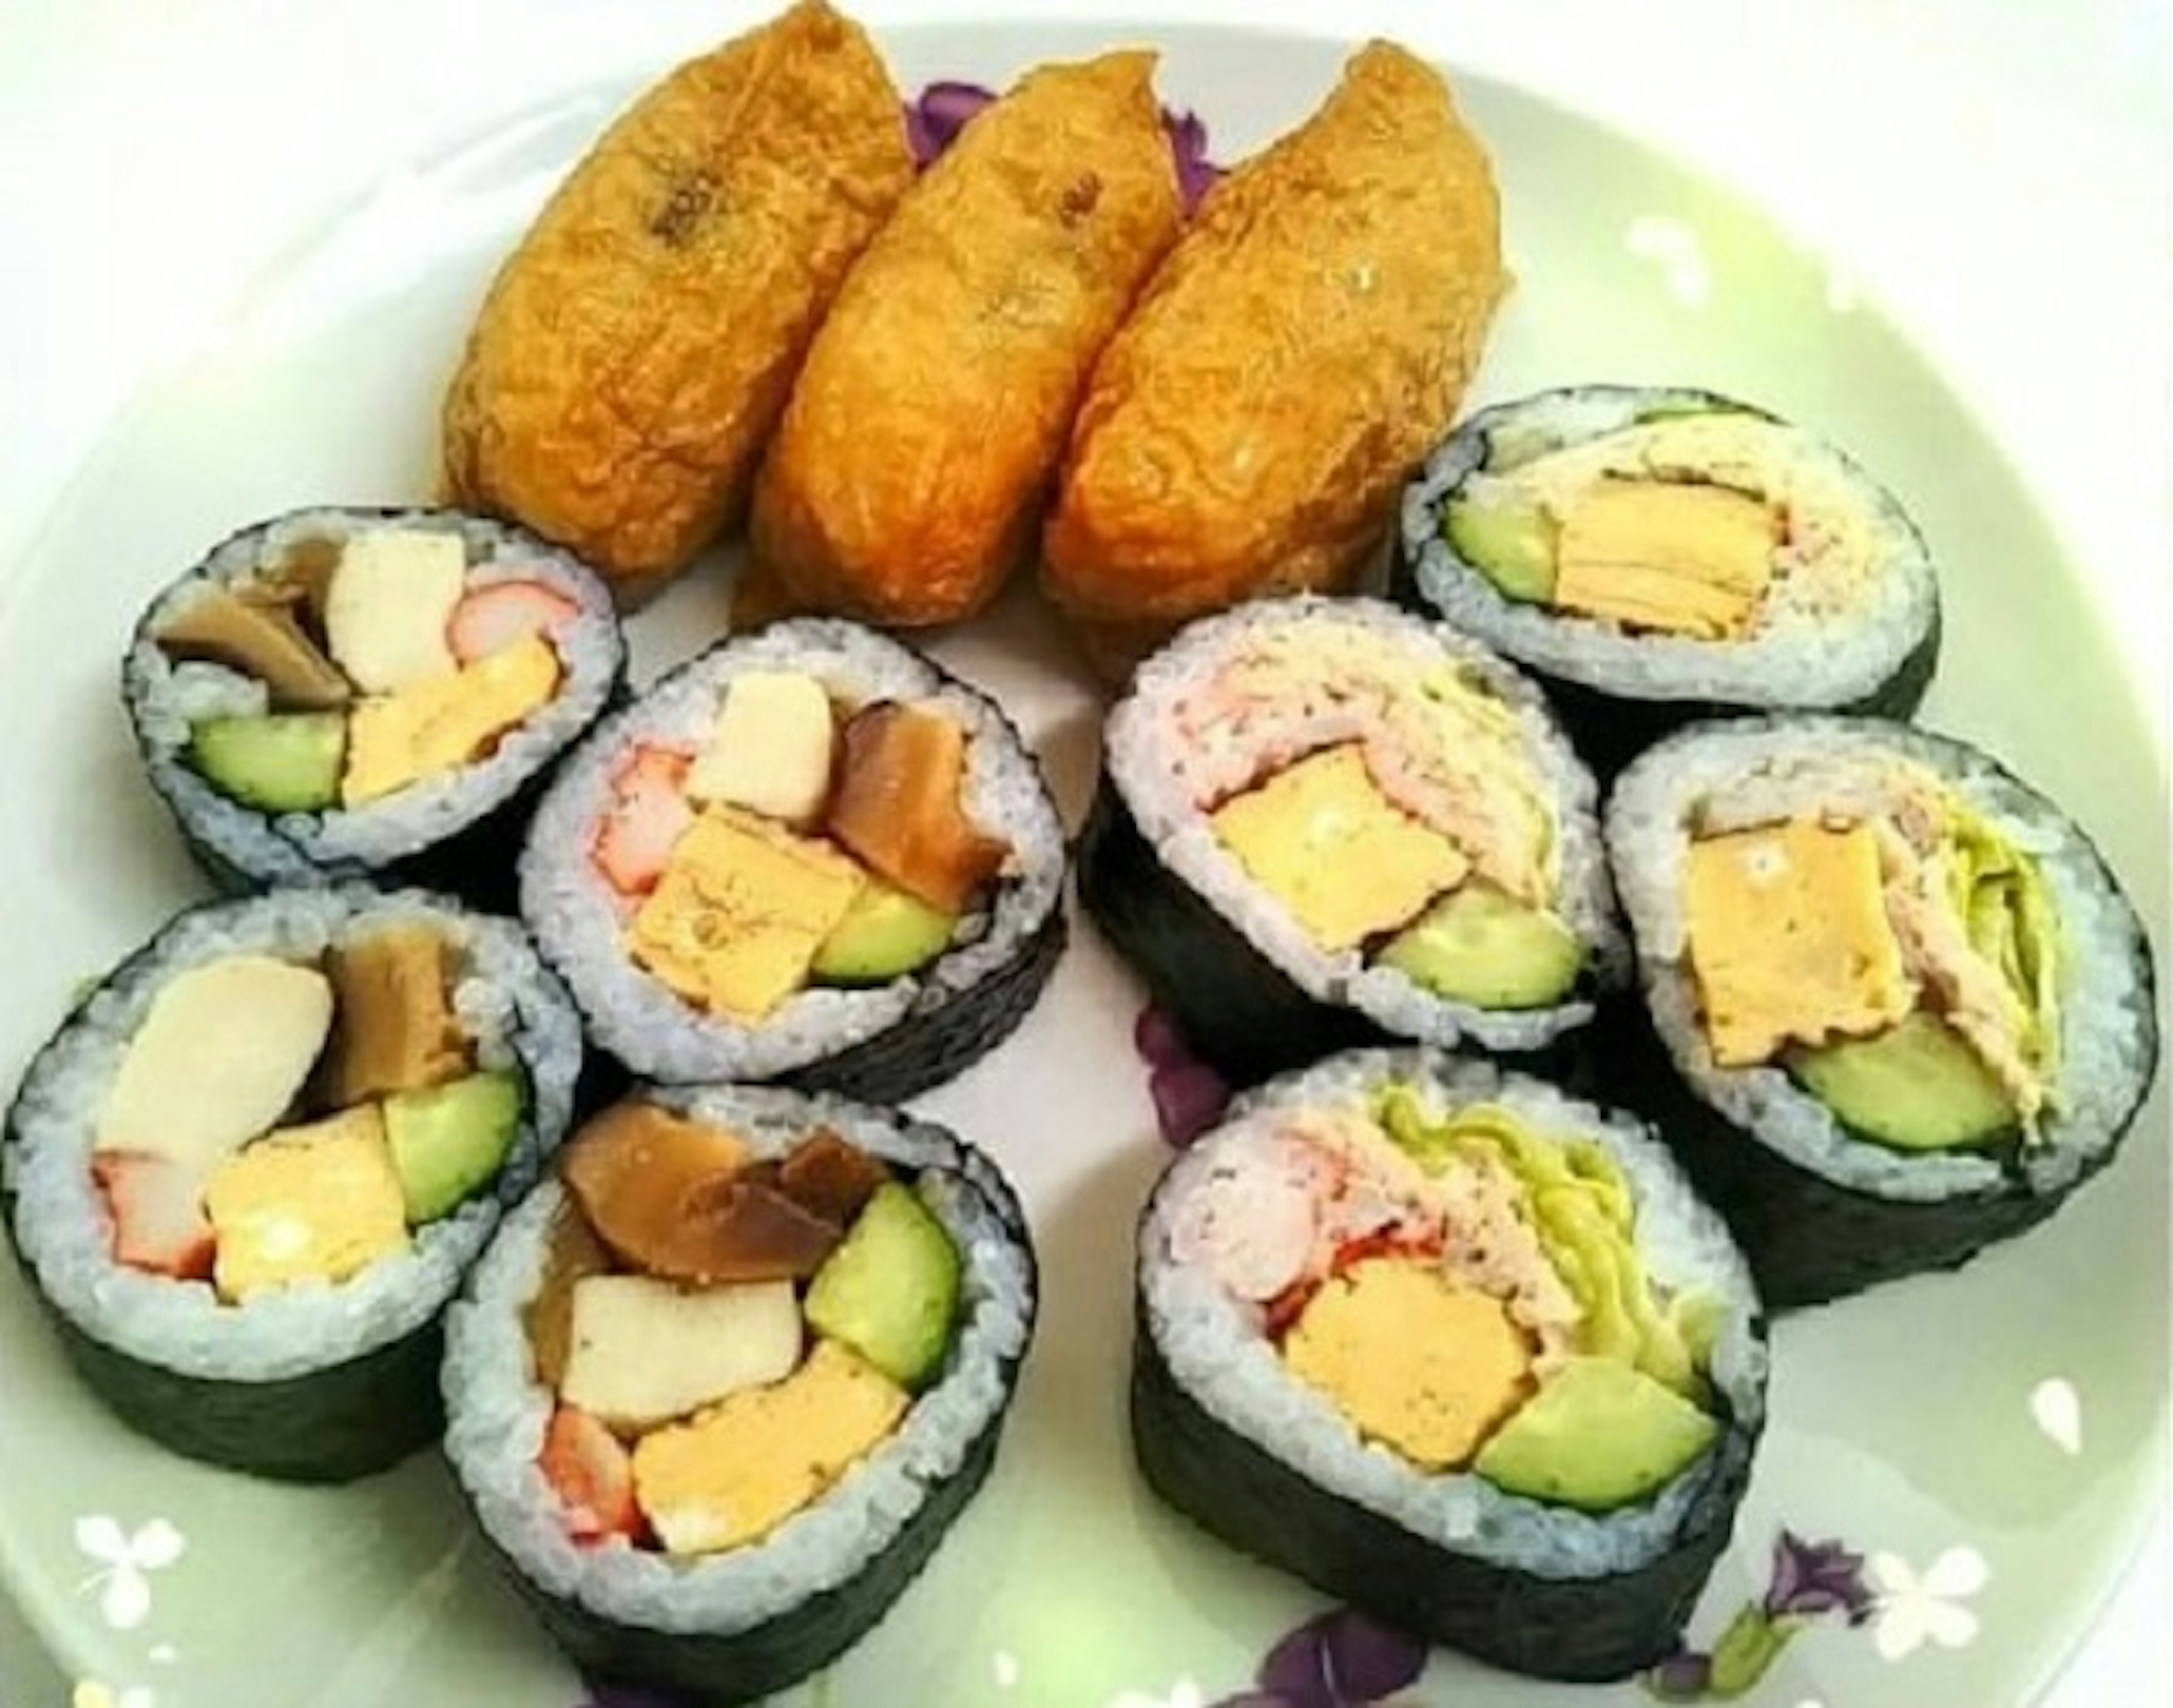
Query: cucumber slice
x,y
1599,1436
451,1141
890,1291
884,934
1476,945
1918,1086
288,763
1511,544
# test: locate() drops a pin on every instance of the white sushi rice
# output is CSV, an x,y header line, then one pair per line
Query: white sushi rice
x,y
164,698
581,922
516,1013
1169,785
1799,656
1216,1351
2107,1045
498,1411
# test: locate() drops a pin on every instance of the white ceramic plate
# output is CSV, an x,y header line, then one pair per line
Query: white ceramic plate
x,y
1986,1437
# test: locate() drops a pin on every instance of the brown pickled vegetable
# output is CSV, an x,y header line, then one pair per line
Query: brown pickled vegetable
x,y
396,1030
573,1254
899,807
677,1200
302,577
253,630
830,1178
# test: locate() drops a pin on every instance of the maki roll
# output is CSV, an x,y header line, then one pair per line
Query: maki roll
x,y
1903,1007
1324,822
808,855
368,693
1454,1348
1655,555
248,1173
719,1387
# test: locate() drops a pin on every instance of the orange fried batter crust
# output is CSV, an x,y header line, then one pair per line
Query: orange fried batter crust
x,y
635,352
907,478
1301,349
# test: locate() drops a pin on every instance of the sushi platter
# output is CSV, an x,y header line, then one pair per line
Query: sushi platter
x,y
1016,880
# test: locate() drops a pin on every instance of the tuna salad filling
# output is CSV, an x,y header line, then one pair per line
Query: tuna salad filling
x,y
725,1335
1702,522
1466,1287
1854,921
277,1124
1381,792
811,842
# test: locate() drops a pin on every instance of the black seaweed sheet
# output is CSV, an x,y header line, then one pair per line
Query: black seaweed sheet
x,y
478,862
724,1671
1578,1629
1236,1009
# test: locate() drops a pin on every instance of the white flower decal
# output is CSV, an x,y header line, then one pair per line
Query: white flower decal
x,y
2058,1410
125,1562
1185,1694
1912,1609
90,1694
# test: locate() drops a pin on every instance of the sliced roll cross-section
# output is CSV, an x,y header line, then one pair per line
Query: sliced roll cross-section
x,y
1325,821
345,693
723,1384
1655,555
807,855
1457,1349
1903,1007
248,1173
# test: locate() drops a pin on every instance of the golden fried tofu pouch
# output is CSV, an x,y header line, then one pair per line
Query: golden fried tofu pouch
x,y
909,477
633,354
1305,343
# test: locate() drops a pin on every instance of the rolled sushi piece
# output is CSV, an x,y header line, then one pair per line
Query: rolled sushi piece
x,y
247,1174
1456,1348
1902,1007
808,855
1324,822
1656,555
351,693
724,1382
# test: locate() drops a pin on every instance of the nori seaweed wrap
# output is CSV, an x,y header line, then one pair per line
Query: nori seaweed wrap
x,y
1895,1005
1458,1349
718,1512
357,692
1325,822
808,856
249,1171
1655,555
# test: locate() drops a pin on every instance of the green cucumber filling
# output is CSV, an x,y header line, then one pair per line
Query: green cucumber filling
x,y
1468,1291
1901,960
724,1335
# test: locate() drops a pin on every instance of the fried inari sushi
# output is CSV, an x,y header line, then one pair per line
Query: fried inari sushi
x,y
634,353
907,478
1309,336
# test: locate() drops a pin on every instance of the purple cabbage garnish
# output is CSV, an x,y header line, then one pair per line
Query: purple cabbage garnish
x,y
1810,1578
1341,1660
934,118
1189,1096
